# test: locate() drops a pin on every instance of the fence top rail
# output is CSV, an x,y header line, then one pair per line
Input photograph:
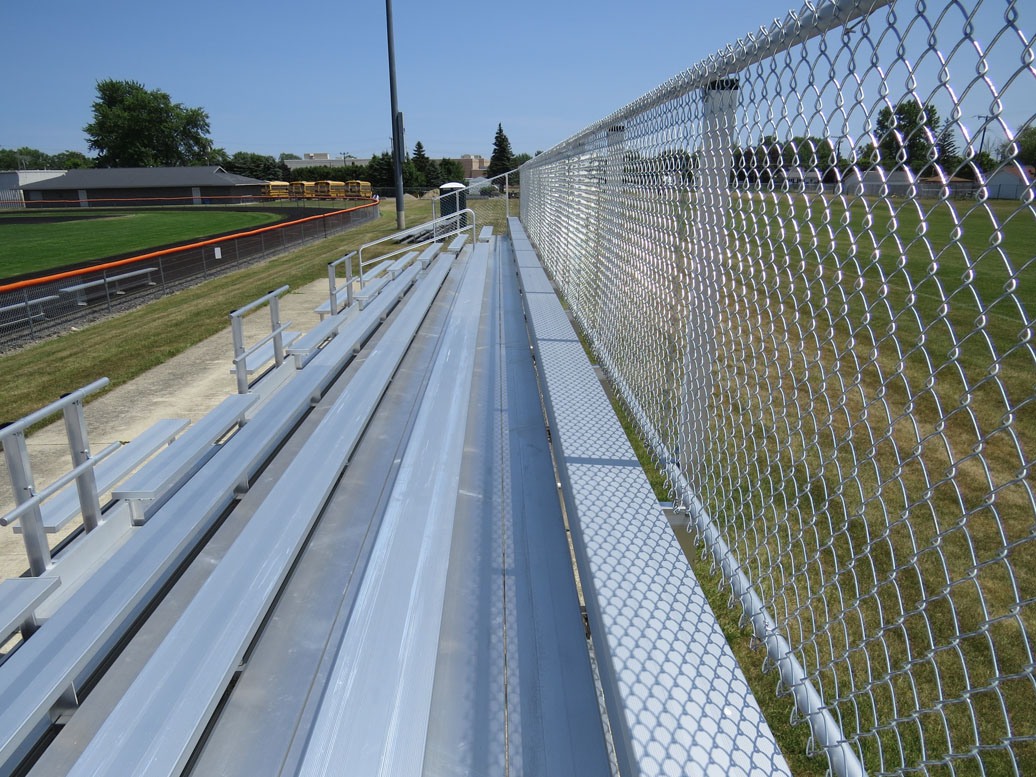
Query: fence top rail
x,y
45,412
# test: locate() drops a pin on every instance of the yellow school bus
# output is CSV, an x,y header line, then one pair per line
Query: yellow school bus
x,y
329,190
302,190
359,190
276,189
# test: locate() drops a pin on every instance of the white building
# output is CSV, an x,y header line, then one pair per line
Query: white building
x,y
1011,182
12,180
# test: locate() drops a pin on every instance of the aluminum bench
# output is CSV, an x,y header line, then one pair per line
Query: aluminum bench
x,y
112,283
19,597
456,244
485,233
309,343
41,678
401,597
159,719
26,309
264,354
648,630
143,491
108,473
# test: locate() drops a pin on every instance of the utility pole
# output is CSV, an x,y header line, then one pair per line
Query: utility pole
x,y
397,121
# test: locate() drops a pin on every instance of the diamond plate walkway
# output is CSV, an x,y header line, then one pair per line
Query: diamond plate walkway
x,y
396,592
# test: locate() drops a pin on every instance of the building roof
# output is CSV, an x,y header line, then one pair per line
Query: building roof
x,y
141,178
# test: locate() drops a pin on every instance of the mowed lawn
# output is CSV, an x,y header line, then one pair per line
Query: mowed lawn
x,y
29,247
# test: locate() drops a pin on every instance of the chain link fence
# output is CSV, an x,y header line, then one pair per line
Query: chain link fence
x,y
808,266
34,309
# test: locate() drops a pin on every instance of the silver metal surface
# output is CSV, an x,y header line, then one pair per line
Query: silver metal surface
x,y
675,693
18,599
825,337
162,715
374,718
75,639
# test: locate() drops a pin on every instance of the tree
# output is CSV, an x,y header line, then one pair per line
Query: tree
x,y
427,171
946,145
265,168
135,127
1025,141
907,135
450,170
502,160
380,171
285,156
71,160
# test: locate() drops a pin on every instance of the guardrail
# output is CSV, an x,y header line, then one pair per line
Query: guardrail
x,y
250,359
432,231
23,485
833,368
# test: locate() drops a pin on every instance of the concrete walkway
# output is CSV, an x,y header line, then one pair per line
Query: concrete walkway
x,y
187,386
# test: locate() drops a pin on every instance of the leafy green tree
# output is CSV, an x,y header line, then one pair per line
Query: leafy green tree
x,y
450,170
907,135
380,171
24,158
137,127
265,168
71,160
1025,153
502,160
285,156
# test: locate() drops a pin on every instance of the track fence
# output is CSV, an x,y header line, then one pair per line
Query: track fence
x,y
37,308
793,264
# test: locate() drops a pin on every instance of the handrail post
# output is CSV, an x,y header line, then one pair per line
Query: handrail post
x,y
349,280
79,447
237,332
275,327
332,289
16,454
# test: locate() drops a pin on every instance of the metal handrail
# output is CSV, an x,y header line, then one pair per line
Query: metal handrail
x,y
44,412
452,217
41,496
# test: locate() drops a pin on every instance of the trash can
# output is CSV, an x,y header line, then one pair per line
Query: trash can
x,y
453,198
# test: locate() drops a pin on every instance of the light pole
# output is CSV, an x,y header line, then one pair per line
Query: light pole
x,y
397,121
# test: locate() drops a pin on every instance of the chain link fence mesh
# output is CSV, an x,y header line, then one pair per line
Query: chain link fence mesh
x,y
808,265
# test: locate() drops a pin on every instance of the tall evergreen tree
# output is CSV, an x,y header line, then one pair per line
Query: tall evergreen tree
x,y
427,170
502,160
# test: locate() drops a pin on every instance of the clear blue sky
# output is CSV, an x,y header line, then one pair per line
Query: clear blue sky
x,y
312,75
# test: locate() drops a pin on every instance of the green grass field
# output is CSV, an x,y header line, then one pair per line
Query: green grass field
x,y
28,248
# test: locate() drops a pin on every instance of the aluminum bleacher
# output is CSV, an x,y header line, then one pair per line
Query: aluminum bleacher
x,y
364,568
